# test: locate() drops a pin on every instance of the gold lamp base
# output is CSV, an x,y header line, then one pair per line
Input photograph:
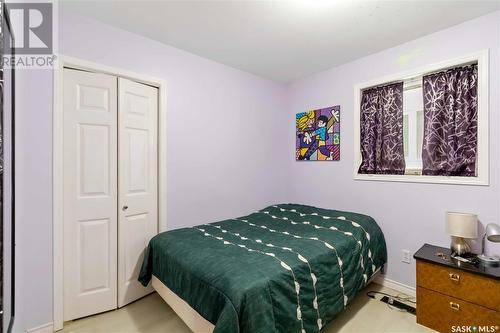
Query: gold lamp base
x,y
459,246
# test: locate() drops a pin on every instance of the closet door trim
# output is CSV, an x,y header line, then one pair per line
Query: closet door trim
x,y
57,167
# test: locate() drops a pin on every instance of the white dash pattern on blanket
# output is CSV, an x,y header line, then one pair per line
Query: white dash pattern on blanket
x,y
316,226
328,245
332,228
272,255
342,218
314,279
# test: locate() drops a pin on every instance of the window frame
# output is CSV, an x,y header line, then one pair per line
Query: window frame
x,y
482,161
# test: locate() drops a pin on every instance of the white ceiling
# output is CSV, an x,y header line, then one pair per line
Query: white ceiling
x,y
283,40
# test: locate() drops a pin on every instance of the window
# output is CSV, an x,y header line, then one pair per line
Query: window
x,y
413,125
427,157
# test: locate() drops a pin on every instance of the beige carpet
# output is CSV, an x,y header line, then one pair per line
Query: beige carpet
x,y
151,314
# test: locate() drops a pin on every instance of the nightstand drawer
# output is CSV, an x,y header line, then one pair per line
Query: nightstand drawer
x,y
467,286
441,312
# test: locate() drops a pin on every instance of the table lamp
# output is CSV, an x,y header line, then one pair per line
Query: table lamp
x,y
492,233
460,226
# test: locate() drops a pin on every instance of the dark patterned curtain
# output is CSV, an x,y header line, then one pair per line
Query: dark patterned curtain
x,y
450,122
382,130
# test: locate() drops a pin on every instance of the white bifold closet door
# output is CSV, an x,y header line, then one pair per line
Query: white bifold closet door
x,y
110,189
138,183
90,193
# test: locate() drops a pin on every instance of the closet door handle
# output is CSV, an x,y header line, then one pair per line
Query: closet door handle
x,y
124,208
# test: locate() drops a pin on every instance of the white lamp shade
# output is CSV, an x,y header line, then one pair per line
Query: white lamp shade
x,y
461,224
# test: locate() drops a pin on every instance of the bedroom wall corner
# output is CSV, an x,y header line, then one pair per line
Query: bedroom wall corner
x,y
410,214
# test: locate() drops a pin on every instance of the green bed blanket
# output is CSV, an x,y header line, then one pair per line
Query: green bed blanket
x,y
286,268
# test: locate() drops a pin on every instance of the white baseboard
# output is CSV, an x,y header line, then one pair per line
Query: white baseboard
x,y
45,328
403,288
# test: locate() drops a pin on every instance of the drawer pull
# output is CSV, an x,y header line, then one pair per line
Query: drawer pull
x,y
454,306
454,277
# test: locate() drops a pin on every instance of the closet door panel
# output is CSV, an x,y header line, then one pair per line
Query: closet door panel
x,y
138,177
90,193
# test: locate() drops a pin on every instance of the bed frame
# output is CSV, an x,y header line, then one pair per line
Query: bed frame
x,y
189,316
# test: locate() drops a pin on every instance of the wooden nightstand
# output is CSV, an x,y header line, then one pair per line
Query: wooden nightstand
x,y
452,293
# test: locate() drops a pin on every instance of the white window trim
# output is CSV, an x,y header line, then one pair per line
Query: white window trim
x,y
482,163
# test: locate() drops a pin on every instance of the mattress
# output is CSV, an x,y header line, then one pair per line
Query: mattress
x,y
286,268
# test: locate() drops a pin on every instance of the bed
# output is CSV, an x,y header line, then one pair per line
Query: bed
x,y
286,268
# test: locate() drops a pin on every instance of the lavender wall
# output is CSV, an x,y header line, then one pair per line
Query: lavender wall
x,y
33,265
224,126
225,145
410,214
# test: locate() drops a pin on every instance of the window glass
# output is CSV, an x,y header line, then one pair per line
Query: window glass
x,y
413,127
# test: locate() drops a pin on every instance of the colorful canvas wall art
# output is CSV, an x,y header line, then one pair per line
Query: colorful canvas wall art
x,y
318,135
